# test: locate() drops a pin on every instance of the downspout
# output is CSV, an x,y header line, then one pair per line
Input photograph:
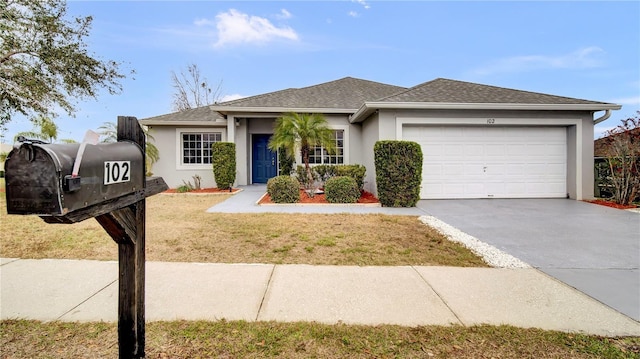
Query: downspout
x,y
604,117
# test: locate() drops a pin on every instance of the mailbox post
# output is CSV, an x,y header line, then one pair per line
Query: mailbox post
x,y
110,187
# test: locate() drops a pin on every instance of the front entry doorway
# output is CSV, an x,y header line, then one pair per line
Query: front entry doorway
x,y
264,164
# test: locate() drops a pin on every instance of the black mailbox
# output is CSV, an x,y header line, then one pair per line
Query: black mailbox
x,y
40,179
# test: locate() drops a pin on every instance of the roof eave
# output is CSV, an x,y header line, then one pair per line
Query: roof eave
x,y
152,122
224,110
369,107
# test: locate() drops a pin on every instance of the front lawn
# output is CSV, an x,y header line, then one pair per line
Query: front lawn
x,y
179,230
237,339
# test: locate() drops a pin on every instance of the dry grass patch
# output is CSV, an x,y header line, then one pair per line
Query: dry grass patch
x,y
179,230
237,339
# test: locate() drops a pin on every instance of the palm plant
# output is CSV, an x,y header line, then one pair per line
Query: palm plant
x,y
109,133
303,131
45,129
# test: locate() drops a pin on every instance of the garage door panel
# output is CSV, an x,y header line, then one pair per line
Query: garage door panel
x,y
433,150
495,149
491,162
453,170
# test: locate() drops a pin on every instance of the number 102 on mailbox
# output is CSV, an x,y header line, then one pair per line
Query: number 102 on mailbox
x,y
116,172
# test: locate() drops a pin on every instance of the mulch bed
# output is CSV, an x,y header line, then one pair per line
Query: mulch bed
x,y
366,197
603,202
205,190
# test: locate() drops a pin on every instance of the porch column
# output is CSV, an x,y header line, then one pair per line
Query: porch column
x,y
231,129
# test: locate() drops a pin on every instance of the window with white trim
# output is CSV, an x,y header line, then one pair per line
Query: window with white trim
x,y
196,146
318,155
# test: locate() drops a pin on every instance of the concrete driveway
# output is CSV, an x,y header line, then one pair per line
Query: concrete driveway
x,y
592,248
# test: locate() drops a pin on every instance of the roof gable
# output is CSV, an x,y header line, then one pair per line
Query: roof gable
x,y
452,91
346,93
194,115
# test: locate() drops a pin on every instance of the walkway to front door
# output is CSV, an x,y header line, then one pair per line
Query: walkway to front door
x,y
264,161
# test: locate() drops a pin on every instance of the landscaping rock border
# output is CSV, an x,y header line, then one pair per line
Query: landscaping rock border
x,y
492,255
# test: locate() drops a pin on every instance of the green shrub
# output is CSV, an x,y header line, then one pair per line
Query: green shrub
x,y
284,189
354,171
223,157
301,176
341,189
398,172
325,172
184,189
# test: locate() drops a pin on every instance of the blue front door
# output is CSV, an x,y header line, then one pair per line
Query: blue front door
x,y
265,162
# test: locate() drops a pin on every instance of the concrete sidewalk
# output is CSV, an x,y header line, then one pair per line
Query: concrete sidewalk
x,y
81,290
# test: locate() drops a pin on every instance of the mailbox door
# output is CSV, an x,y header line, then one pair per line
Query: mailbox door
x,y
35,176
32,182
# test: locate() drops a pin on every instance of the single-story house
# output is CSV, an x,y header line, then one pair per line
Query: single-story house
x,y
478,141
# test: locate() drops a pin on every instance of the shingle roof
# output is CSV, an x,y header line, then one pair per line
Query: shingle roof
x,y
451,91
602,145
345,93
199,114
360,97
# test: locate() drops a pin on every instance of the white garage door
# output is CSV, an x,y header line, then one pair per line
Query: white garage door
x,y
491,162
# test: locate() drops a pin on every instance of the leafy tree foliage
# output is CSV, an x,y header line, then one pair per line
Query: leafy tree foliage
x,y
44,61
192,89
303,131
622,148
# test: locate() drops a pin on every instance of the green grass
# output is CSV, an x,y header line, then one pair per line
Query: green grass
x,y
179,229
239,339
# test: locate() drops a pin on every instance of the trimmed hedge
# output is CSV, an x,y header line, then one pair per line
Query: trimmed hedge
x,y
325,172
284,189
398,172
341,189
223,158
354,171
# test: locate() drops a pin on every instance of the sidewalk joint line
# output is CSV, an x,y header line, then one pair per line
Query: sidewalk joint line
x,y
439,296
86,300
266,289
11,260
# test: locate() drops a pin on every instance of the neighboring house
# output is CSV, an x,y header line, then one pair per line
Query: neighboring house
x,y
600,146
478,141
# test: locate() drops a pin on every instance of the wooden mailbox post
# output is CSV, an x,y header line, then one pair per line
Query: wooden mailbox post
x,y
109,186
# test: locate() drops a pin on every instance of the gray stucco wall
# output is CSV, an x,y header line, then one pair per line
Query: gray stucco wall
x,y
166,140
382,125
387,124
370,134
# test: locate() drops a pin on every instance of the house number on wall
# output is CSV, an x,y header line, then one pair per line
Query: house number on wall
x,y
491,121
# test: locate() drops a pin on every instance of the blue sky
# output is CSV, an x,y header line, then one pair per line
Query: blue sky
x,y
582,49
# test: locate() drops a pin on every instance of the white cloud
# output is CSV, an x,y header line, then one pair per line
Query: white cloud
x,y
587,57
232,97
353,14
235,27
283,15
633,100
363,3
